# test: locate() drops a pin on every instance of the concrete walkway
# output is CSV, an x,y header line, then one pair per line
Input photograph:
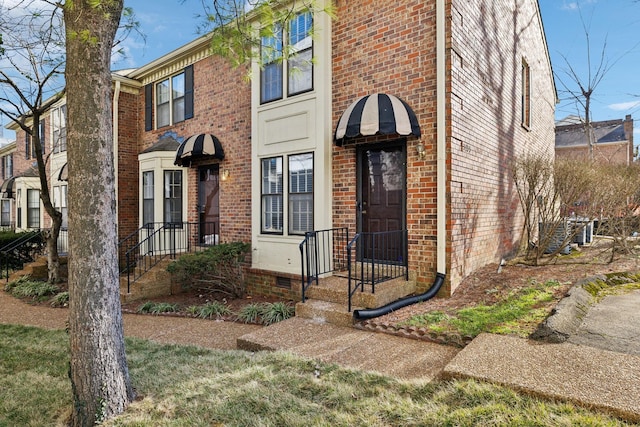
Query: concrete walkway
x,y
573,372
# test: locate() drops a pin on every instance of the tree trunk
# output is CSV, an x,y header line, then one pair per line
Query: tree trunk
x,y
99,373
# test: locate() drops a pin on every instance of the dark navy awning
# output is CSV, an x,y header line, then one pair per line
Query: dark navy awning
x,y
377,114
198,146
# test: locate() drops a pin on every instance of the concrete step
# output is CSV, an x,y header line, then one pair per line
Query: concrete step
x,y
154,283
325,312
335,289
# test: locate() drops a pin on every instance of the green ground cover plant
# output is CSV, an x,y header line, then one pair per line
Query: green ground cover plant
x,y
36,290
508,316
191,386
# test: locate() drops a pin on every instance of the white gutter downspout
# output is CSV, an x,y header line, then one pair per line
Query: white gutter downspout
x,y
441,141
116,124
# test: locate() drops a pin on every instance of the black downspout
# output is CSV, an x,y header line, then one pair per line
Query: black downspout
x,y
398,304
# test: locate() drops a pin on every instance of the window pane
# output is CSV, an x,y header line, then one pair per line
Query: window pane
x,y
272,203
178,110
300,31
301,72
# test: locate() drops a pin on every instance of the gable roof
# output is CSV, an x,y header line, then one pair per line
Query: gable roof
x,y
610,131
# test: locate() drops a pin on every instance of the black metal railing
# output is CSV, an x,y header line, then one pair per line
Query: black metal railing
x,y
24,249
374,258
143,249
322,252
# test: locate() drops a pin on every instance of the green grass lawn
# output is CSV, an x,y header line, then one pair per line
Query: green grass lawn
x,y
190,386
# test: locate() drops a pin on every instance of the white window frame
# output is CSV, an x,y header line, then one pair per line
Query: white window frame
x,y
175,102
296,39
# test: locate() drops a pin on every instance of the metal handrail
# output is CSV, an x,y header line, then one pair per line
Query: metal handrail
x,y
29,237
382,255
325,253
162,240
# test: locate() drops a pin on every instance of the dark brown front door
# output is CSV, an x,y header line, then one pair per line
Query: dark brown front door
x,y
209,203
381,202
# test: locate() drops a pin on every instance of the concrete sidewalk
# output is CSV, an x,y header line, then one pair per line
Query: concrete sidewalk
x,y
578,373
585,375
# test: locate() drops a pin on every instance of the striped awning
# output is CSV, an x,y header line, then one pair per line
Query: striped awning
x,y
202,145
377,114
6,190
63,175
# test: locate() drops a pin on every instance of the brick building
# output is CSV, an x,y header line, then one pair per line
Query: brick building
x,y
612,141
309,143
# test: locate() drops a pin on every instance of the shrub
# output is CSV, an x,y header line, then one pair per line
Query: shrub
x,y
276,312
213,309
60,300
250,313
27,288
157,307
216,269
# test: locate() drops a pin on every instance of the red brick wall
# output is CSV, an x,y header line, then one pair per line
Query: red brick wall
x,y
222,107
389,47
128,170
489,41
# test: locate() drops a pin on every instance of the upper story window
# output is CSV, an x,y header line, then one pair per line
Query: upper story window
x,y
7,166
59,124
526,95
299,62
29,146
170,100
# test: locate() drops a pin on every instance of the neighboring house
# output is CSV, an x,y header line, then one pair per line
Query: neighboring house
x,y
387,119
612,141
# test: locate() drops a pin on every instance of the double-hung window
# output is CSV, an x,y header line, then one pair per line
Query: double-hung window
x,y
7,166
300,193
171,99
5,213
147,198
33,208
173,197
60,129
60,203
272,203
296,40
526,95
170,95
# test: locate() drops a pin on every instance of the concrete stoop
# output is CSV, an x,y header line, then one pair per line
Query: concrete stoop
x,y
39,269
154,283
327,302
